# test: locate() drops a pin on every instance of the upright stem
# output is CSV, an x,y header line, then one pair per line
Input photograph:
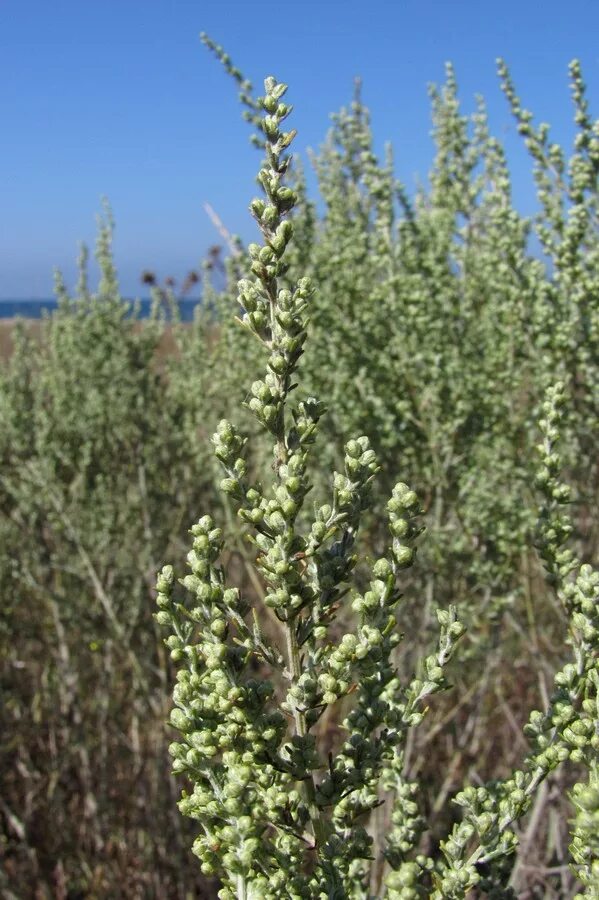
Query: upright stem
x,y
308,787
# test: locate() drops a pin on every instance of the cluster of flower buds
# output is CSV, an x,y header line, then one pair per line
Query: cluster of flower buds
x,y
554,526
228,725
566,730
275,818
584,847
403,507
407,824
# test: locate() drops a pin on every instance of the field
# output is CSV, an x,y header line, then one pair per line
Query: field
x,y
421,566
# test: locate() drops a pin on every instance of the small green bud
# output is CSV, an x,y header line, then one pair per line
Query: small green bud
x,y
165,580
404,556
179,720
257,207
277,363
382,568
230,486
218,627
293,484
269,103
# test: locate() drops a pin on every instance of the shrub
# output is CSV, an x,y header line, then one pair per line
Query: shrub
x,y
90,461
278,816
435,330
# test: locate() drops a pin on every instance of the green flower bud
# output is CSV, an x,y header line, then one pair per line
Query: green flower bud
x,y
382,569
218,627
230,486
165,580
179,720
404,556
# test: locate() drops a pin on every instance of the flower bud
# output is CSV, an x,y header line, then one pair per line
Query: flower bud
x,y
165,580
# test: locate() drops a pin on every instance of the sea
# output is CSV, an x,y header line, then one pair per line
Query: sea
x,y
36,308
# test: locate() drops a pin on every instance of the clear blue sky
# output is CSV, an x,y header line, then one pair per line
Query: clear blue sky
x,y
119,98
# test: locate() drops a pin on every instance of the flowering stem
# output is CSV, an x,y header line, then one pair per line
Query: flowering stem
x,y
309,790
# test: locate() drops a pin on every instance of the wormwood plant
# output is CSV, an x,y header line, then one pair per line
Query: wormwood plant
x,y
479,849
435,330
279,816
276,818
90,457
461,327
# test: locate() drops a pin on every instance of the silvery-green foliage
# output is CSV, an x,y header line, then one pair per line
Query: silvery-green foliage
x,y
89,466
437,336
584,848
566,730
433,332
276,817
566,311
435,329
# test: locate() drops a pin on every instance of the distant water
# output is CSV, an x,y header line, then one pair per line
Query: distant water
x,y
35,308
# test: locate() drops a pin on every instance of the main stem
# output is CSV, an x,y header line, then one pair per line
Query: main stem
x,y
282,457
308,787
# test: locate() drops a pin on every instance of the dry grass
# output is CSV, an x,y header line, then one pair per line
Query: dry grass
x,y
166,346
33,326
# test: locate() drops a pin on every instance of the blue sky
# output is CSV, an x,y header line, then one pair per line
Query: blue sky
x,y
118,98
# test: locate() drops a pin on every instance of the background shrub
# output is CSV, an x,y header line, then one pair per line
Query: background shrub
x,y
436,330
